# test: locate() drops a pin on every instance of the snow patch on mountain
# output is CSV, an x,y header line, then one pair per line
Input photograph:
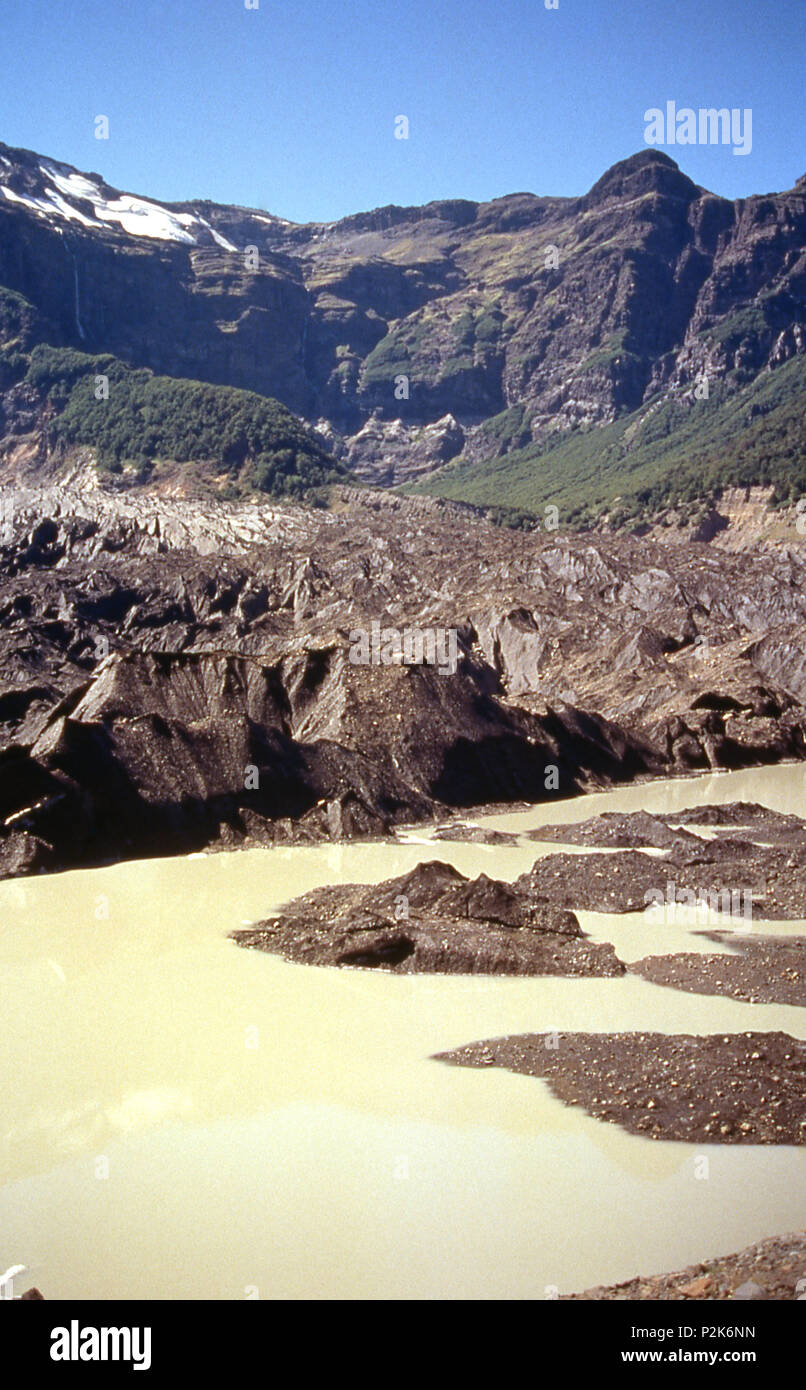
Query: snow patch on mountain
x,y
52,203
136,216
36,203
217,237
72,185
63,193
139,218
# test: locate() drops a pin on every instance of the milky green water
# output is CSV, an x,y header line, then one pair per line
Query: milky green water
x,y
180,1118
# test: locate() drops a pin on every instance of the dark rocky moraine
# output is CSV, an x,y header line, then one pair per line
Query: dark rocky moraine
x,y
177,675
760,970
745,1088
753,864
433,920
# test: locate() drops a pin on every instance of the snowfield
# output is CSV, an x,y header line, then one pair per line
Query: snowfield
x,y
135,216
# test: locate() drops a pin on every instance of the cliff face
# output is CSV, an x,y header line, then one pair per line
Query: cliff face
x,y
509,321
186,308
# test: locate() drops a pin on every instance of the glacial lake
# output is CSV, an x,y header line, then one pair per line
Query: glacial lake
x,y
181,1118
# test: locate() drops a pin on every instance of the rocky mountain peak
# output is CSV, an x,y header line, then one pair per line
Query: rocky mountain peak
x,y
648,171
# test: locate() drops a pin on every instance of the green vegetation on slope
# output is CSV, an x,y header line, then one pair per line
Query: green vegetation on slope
x,y
253,440
20,328
663,454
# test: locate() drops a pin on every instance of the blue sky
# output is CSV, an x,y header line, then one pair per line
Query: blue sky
x,y
291,107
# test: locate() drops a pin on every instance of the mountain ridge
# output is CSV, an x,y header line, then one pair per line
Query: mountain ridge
x,y
448,336
647,157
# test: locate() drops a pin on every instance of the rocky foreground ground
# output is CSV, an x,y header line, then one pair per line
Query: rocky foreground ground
x,y
771,1269
178,674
